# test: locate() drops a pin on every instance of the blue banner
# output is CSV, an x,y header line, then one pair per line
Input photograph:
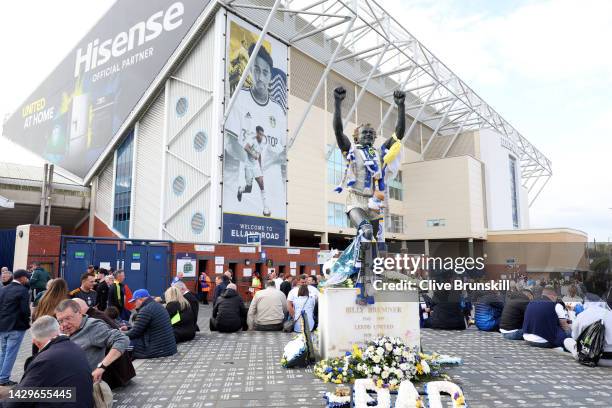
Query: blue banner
x,y
236,228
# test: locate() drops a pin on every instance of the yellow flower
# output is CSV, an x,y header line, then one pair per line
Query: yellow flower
x,y
356,351
460,402
379,383
419,368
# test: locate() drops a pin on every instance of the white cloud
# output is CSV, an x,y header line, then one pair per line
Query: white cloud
x,y
548,41
545,66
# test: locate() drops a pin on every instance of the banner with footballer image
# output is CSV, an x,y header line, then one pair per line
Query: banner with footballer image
x,y
254,160
71,118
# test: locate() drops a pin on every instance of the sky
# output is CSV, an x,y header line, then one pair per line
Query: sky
x,y
545,65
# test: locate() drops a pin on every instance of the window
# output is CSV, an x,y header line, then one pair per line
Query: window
x,y
335,165
396,188
197,223
181,106
395,224
178,185
199,141
123,186
336,215
513,192
436,222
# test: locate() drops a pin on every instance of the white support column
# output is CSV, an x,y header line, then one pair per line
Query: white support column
x,y
418,115
440,123
459,129
364,86
315,94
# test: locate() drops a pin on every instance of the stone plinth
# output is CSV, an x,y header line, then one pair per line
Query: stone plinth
x,y
343,323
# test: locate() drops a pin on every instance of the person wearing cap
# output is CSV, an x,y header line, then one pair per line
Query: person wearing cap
x,y
151,335
511,322
14,321
595,309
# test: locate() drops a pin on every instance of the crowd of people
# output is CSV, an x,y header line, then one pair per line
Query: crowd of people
x,y
88,337
543,314
276,304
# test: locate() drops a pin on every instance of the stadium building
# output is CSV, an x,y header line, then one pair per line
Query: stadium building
x,y
175,114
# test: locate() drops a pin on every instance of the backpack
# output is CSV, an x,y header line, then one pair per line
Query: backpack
x,y
590,344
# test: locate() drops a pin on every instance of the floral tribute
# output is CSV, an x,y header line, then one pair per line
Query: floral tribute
x,y
385,360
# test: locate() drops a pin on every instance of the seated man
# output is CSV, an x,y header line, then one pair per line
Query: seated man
x,y
92,335
446,311
221,283
151,334
511,322
488,311
594,309
58,363
268,308
541,325
229,313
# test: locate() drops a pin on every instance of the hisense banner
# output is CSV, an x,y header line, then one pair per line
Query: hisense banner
x,y
73,115
254,161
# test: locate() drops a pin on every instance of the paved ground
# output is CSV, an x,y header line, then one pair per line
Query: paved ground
x,y
243,370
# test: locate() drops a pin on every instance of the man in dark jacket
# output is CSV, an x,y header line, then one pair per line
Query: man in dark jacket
x,y
59,363
229,313
14,321
38,281
102,291
116,295
220,288
446,311
151,335
488,311
511,322
541,325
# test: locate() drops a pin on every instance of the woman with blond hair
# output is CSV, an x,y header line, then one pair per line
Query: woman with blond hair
x,y
181,315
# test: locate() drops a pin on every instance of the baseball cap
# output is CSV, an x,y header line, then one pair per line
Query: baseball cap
x,y
139,294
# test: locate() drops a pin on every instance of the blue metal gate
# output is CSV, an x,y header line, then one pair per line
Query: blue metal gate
x,y
146,263
7,248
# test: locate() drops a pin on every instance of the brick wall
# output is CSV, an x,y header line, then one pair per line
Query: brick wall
x,y
100,229
306,262
44,246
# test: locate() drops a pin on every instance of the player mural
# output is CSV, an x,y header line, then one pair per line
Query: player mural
x,y
254,160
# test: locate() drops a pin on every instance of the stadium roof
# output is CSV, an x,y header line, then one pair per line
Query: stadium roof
x,y
362,41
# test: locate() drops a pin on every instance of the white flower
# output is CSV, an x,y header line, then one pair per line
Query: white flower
x,y
380,351
376,358
388,346
385,375
404,366
397,351
425,366
393,381
376,369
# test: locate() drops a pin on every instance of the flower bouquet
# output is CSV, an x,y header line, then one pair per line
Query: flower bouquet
x,y
387,361
295,353
340,398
